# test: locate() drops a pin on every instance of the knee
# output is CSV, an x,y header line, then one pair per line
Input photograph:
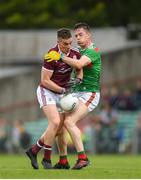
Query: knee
x,y
68,123
60,131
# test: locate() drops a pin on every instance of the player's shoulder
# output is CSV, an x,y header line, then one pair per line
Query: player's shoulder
x,y
96,49
93,49
54,48
75,49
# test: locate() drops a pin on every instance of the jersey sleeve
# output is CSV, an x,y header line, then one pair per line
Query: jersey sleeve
x,y
48,65
78,55
92,54
75,52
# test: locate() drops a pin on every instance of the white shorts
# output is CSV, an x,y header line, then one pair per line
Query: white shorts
x,y
90,99
46,97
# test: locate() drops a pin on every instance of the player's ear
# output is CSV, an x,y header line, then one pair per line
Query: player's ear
x,y
58,40
89,34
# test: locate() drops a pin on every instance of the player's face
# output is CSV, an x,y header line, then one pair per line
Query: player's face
x,y
65,44
82,37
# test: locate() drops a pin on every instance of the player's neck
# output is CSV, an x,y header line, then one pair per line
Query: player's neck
x,y
89,44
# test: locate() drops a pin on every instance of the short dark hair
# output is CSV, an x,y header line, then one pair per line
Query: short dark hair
x,y
64,33
82,25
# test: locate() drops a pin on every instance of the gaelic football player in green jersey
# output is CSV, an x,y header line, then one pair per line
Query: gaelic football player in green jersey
x,y
87,92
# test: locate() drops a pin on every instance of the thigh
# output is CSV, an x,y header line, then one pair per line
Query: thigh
x,y
51,113
88,101
78,114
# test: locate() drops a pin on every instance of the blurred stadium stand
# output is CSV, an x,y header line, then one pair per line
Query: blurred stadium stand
x,y
134,31
30,46
36,128
127,121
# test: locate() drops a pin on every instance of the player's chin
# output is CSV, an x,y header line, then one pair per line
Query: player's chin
x,y
65,50
80,43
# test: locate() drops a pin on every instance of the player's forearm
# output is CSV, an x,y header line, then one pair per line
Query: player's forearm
x,y
72,62
79,73
52,86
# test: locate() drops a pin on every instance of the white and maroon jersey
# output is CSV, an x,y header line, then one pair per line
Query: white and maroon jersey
x,y
61,71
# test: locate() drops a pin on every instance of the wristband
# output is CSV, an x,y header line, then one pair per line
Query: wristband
x,y
63,91
62,55
78,80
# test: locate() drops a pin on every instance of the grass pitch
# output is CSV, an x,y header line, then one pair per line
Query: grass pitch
x,y
102,166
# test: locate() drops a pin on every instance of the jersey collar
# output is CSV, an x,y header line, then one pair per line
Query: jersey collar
x,y
90,46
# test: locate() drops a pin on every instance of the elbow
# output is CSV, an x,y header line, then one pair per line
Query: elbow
x,y
44,83
78,66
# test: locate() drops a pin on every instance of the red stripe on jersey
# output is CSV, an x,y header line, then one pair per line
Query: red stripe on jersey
x,y
90,99
89,65
96,49
43,97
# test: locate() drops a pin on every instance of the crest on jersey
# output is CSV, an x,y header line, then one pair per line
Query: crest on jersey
x,y
74,57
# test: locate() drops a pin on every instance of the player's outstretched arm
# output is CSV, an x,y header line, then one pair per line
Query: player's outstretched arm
x,y
83,61
55,56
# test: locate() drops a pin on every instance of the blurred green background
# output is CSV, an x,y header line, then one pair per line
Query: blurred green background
x,y
36,14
